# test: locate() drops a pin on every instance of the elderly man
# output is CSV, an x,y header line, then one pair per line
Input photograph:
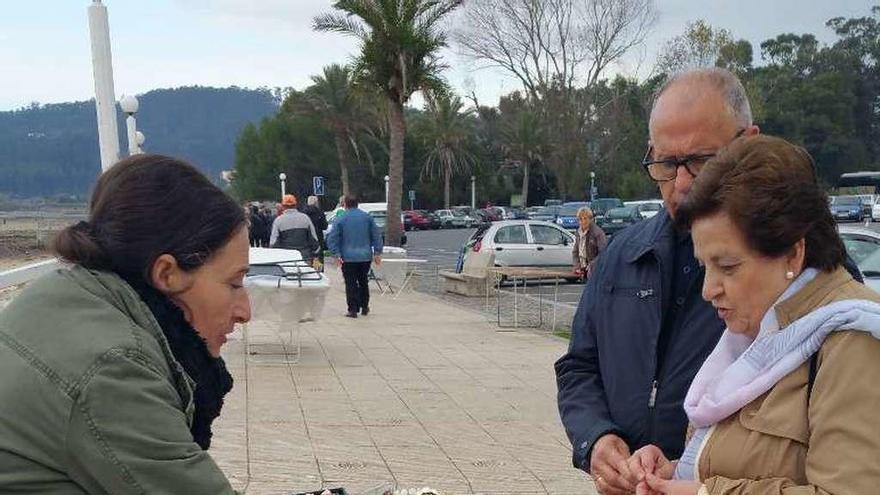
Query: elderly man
x,y
642,330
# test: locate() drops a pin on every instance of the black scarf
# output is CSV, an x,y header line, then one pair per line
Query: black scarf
x,y
212,379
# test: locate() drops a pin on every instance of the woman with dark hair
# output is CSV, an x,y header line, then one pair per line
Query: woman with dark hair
x,y
786,403
111,368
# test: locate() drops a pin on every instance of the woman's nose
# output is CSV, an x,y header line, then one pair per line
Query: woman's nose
x,y
242,309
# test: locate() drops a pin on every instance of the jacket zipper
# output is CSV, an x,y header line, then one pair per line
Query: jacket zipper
x,y
655,384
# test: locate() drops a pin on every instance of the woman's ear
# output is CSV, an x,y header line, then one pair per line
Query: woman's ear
x,y
167,276
797,256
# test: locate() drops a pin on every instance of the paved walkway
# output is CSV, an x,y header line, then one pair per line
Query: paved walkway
x,y
420,393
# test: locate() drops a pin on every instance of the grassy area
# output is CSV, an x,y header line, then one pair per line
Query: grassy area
x,y
564,333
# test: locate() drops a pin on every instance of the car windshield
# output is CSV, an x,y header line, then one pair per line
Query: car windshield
x,y
650,207
606,204
870,266
380,217
457,213
848,201
626,212
568,211
548,210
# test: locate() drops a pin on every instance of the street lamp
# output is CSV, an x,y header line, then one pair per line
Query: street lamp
x,y
386,188
473,192
592,186
283,177
129,105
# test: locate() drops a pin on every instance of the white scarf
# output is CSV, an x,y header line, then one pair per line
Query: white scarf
x,y
739,370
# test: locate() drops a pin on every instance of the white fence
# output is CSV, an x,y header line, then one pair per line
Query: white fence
x,y
25,274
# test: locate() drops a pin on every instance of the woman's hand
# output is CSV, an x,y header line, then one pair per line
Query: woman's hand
x,y
656,485
649,460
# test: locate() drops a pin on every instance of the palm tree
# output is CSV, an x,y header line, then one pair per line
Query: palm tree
x,y
400,41
333,98
523,143
448,131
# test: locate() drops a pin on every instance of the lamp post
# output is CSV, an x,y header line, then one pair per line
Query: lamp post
x,y
129,105
386,188
592,186
105,96
473,192
283,177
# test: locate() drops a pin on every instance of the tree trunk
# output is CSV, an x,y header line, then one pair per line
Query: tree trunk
x,y
342,154
447,177
397,128
525,183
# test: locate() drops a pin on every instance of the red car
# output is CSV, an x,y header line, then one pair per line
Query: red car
x,y
414,220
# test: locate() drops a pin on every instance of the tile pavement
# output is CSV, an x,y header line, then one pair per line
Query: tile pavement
x,y
419,393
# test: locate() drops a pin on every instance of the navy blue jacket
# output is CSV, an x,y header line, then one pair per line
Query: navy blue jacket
x,y
608,380
355,237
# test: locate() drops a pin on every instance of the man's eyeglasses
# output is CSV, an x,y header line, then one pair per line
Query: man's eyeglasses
x,y
667,169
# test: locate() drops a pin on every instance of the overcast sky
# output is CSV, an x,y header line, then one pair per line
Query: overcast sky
x,y
44,44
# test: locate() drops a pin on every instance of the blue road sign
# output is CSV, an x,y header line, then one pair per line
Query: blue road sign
x,y
318,185
412,195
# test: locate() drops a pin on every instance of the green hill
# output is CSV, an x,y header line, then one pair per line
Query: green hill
x,y
53,149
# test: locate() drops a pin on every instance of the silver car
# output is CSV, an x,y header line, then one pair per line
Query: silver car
x,y
523,243
863,246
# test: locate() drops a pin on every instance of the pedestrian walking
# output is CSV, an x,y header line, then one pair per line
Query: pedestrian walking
x,y
356,240
589,242
319,221
259,228
294,230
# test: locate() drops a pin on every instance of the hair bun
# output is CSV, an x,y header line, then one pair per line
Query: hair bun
x,y
77,244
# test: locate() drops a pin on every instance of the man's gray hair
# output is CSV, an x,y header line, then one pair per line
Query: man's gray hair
x,y
722,80
312,200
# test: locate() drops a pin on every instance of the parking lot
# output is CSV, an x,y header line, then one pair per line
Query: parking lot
x,y
441,248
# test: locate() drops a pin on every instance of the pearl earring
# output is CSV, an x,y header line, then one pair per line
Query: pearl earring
x,y
789,275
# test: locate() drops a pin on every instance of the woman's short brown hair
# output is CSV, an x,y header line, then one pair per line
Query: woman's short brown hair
x,y
768,187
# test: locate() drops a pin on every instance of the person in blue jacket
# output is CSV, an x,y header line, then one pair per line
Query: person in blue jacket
x,y
642,330
357,242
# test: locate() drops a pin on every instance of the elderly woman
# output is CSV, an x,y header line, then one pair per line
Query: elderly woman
x,y
589,241
111,368
787,401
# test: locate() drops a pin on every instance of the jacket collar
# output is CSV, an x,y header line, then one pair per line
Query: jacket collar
x,y
656,236
817,291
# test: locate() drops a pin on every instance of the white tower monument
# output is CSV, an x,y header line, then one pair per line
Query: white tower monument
x,y
105,97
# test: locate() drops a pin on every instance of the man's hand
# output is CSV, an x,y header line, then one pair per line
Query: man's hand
x,y
377,259
649,460
609,467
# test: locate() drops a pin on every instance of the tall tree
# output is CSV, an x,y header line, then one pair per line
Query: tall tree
x,y
523,142
399,55
333,98
448,132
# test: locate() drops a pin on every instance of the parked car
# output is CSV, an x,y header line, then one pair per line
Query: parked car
x,y
602,205
470,217
863,246
433,219
523,243
547,214
868,201
552,202
449,220
415,220
647,208
617,219
531,210
875,210
566,217
848,209
490,214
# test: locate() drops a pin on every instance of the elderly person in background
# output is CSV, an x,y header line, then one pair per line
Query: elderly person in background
x,y
589,242
293,229
319,222
111,367
786,402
